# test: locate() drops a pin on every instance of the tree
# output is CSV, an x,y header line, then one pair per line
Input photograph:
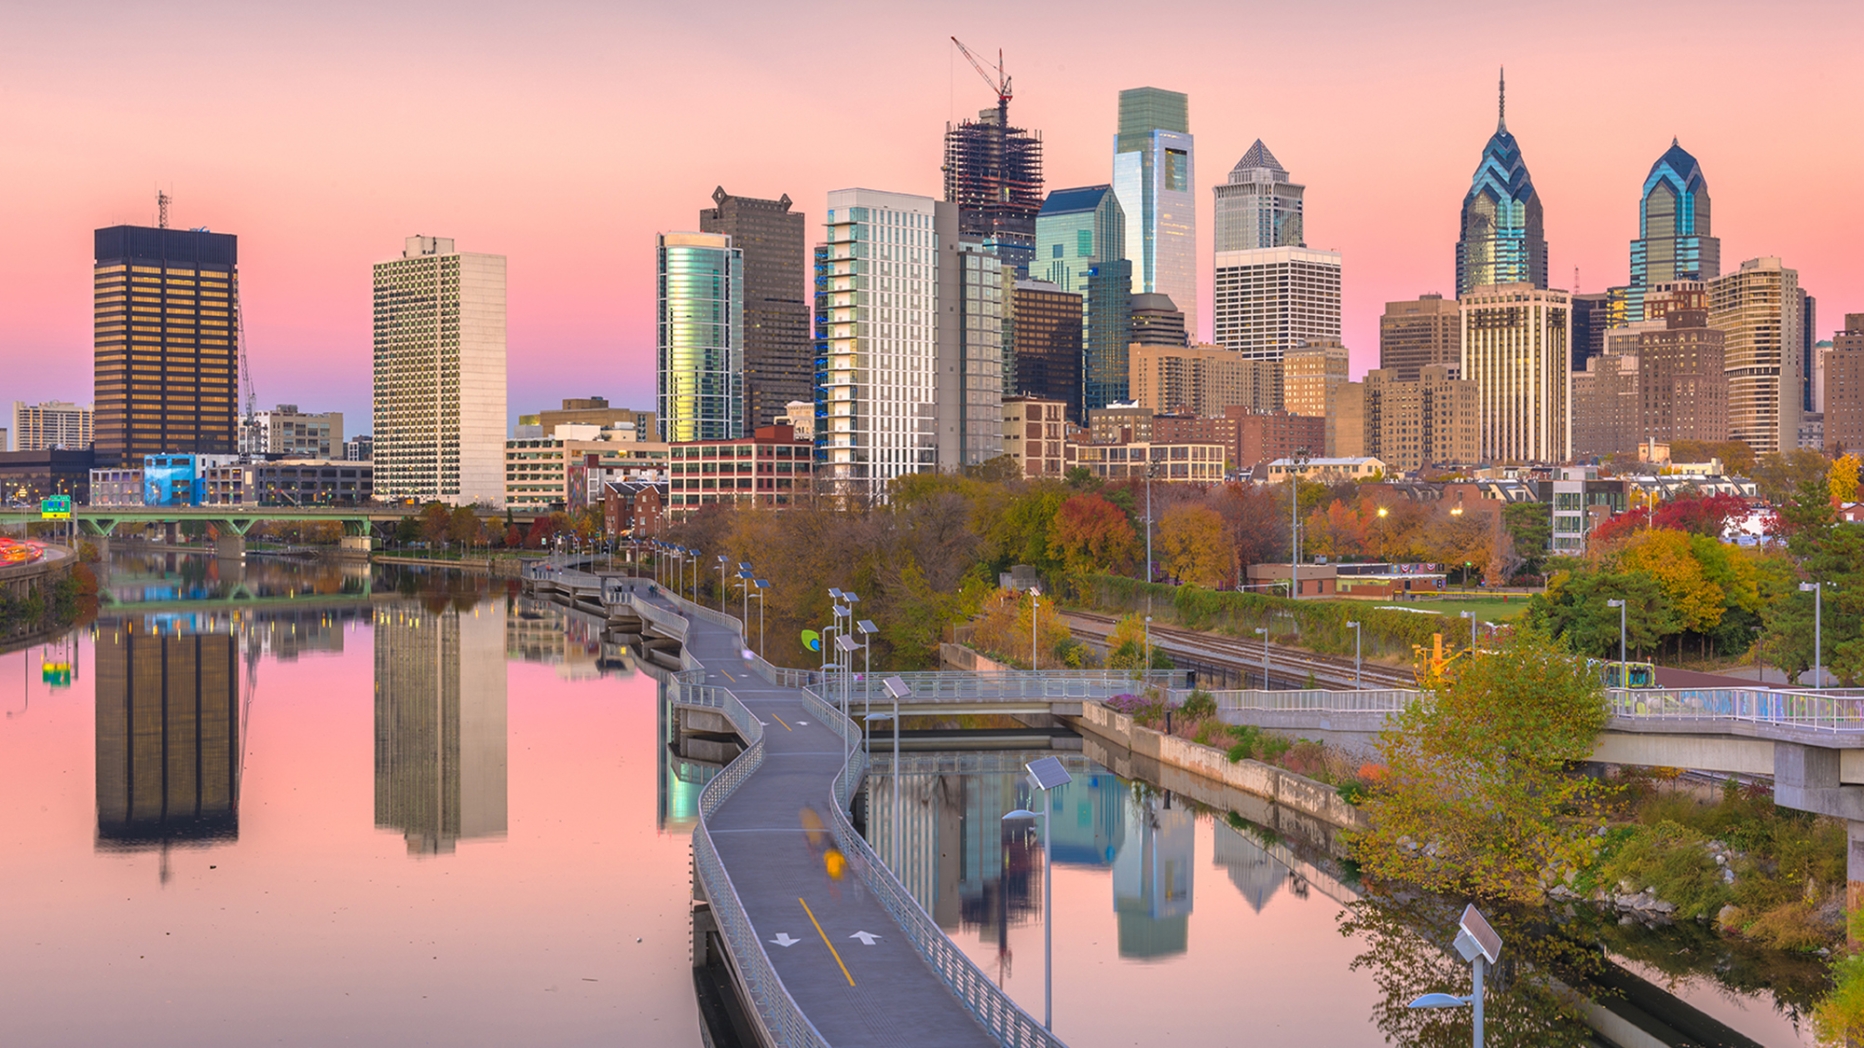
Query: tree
x,y
436,521
1192,545
1667,556
1575,609
1530,527
407,530
1843,477
1126,646
1091,534
1778,476
464,528
1478,796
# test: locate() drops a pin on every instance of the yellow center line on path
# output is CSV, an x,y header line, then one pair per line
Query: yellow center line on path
x,y
780,720
728,676
825,942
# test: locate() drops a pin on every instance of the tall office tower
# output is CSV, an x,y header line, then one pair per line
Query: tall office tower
x,y
700,336
168,745
1844,388
1271,299
1607,401
778,364
440,740
1515,350
1757,310
1673,229
439,398
878,313
1417,333
1502,241
1201,380
1808,341
1081,248
1048,345
993,172
969,405
1592,318
1154,160
1433,420
1683,389
1157,321
166,342
1258,206
53,424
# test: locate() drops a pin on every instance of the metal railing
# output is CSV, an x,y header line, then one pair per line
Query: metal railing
x,y
1006,1021
936,686
1315,700
670,621
1812,711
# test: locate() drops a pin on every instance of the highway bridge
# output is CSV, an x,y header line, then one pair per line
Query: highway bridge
x,y
361,524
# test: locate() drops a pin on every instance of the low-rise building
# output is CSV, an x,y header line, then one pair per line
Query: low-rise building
x,y
1035,435
799,415
359,448
116,487
286,432
1582,500
1189,429
770,468
1182,463
1326,470
1264,436
28,476
543,474
634,509
1313,580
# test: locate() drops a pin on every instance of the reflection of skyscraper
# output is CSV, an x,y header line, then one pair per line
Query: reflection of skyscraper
x,y
1256,874
1152,880
440,724
167,736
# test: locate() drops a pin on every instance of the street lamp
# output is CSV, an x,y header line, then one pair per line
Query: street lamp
x,y
744,587
1148,515
1356,638
867,629
1480,946
1148,667
1263,632
897,689
1818,627
762,585
1296,464
722,591
1045,774
1624,670
1471,616
694,557
846,645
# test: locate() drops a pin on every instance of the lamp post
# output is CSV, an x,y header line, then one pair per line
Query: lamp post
x,y
1818,630
1471,616
744,586
1356,664
694,558
1296,465
722,591
1480,946
1148,668
866,629
1045,774
1263,631
846,645
1148,515
1035,603
897,689
762,585
1623,668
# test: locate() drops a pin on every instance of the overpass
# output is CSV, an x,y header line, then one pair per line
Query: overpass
x,y
231,523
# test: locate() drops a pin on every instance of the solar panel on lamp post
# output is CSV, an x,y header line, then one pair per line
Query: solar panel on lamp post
x,y
1356,681
1480,946
1045,774
847,647
866,629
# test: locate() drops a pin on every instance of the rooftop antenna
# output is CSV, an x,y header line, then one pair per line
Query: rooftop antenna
x,y
1501,113
1575,280
161,209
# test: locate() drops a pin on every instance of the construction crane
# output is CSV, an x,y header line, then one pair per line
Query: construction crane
x,y
246,437
998,80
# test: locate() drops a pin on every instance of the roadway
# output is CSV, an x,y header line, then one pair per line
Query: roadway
x,y
856,989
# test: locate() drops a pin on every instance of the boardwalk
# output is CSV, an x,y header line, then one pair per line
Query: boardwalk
x,y
853,993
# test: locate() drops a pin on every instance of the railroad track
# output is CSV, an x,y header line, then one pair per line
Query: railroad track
x,y
1240,661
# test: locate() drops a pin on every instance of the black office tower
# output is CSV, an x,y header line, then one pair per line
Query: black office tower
x,y
778,364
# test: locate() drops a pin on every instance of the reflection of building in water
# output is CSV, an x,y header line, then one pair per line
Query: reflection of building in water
x,y
680,779
167,732
440,744
1152,880
1256,873
286,633
540,631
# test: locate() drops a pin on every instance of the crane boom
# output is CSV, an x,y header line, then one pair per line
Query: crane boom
x,y
1000,83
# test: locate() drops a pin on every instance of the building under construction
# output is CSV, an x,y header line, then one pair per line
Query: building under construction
x,y
993,172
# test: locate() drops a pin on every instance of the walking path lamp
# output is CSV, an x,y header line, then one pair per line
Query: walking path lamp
x,y
866,629
762,585
744,587
1356,639
1818,629
1263,632
1481,947
693,555
1471,616
1035,602
846,645
1622,666
1148,644
1045,774
722,590
897,689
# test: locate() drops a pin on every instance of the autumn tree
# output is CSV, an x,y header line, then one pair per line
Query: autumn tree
x,y
436,522
1842,479
1779,475
1192,545
1478,796
1127,646
1091,534
1006,630
464,528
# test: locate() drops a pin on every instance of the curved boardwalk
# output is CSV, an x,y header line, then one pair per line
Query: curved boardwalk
x,y
854,993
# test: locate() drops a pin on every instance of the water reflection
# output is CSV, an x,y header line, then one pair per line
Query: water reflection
x,y
1152,877
440,744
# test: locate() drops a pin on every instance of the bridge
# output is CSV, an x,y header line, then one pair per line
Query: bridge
x,y
231,523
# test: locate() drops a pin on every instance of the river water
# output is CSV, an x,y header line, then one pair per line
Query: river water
x,y
302,805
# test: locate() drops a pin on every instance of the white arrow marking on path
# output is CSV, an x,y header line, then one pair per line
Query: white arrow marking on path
x,y
867,938
783,939
802,722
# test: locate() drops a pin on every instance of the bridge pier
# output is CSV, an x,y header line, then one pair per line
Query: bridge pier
x,y
230,546
358,545
1806,778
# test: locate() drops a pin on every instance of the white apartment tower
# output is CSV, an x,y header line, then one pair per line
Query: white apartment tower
x,y
1757,310
439,397
1515,339
53,424
1271,299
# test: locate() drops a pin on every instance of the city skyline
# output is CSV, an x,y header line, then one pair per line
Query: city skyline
x,y
311,198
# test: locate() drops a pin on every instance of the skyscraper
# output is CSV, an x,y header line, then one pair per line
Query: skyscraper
x,y
1081,248
1502,241
1515,351
1258,206
166,342
1594,314
1048,344
1757,309
1416,333
1153,174
1673,229
778,365
439,394
993,172
53,424
1271,299
1157,321
969,406
699,340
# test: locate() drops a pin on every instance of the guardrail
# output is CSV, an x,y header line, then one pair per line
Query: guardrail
x,y
1006,1021
1812,711
935,686
661,617
1315,699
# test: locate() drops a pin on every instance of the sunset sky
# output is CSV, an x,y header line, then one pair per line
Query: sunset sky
x,y
565,135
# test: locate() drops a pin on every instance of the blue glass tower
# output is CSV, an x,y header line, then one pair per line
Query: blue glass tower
x,y
1502,240
1673,229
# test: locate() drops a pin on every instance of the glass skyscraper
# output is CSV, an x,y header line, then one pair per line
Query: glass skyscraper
x,y
1258,206
1502,240
700,337
1081,248
1673,229
1154,176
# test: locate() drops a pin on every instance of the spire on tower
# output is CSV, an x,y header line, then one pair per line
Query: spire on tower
x,y
1501,116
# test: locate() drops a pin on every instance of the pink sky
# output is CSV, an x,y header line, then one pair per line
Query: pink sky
x,y
565,135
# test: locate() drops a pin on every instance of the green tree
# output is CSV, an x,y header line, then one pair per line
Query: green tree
x,y
1530,527
1779,476
407,530
1478,796
1574,608
463,527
